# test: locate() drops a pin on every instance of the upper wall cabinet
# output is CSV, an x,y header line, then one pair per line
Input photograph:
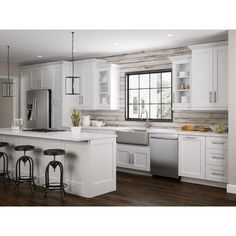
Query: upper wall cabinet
x,y
99,87
181,72
107,87
209,86
43,76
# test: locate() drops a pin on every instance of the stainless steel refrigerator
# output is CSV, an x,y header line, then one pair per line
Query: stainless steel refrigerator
x,y
38,109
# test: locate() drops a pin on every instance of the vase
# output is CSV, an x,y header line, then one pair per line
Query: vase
x,y
75,130
86,121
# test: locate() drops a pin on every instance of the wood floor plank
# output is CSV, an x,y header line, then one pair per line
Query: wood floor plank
x,y
132,190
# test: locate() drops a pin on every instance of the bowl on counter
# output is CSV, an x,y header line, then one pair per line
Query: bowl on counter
x,y
219,128
96,123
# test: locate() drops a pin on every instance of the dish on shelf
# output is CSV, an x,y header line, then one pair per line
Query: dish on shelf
x,y
183,73
219,128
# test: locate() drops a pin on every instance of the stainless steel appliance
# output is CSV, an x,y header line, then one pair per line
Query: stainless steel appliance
x,y
38,109
164,155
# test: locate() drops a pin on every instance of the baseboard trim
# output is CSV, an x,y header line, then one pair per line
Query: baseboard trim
x,y
231,188
137,172
203,182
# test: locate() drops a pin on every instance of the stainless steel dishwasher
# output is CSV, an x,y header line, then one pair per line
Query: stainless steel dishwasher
x,y
164,155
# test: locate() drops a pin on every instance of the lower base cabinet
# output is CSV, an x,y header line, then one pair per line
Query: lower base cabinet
x,y
133,157
192,156
203,158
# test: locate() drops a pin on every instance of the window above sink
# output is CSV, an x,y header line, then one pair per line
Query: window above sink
x,y
149,95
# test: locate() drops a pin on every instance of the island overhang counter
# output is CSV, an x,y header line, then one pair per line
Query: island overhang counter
x,y
89,162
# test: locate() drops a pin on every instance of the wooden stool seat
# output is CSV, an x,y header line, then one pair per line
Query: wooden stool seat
x,y
24,148
54,152
4,144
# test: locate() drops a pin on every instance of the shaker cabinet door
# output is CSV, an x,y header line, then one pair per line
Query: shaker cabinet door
x,y
192,156
202,76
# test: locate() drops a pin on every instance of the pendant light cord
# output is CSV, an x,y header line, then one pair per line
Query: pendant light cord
x,y
8,63
73,53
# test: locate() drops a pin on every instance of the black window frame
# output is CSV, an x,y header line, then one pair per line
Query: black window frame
x,y
127,74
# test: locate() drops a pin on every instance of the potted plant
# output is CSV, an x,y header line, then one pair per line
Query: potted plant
x,y
75,119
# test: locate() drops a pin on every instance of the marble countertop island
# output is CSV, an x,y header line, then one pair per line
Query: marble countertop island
x,y
89,161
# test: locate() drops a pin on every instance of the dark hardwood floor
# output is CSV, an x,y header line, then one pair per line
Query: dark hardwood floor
x,y
132,190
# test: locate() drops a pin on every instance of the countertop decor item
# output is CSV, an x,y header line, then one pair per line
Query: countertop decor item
x,y
219,128
86,121
75,119
72,82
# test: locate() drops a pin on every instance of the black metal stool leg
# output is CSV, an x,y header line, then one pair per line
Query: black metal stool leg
x,y
25,179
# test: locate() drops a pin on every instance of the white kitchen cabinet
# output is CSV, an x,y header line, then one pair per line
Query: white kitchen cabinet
x,y
181,77
99,87
133,157
192,156
123,156
217,159
202,78
220,83
209,76
107,87
43,76
25,80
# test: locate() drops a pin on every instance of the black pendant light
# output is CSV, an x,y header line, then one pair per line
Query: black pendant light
x,y
72,86
8,87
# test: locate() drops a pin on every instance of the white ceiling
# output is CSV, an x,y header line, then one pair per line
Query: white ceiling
x,y
54,45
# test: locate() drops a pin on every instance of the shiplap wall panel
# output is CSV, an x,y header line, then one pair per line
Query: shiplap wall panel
x,y
152,60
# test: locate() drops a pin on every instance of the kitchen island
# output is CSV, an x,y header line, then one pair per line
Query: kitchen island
x,y
89,162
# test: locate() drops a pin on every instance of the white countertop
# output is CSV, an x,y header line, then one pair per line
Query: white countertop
x,y
160,130
64,136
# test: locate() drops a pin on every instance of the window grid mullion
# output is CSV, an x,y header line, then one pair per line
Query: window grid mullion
x,y
139,104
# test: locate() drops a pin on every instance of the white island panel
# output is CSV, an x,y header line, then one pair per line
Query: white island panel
x,y
89,164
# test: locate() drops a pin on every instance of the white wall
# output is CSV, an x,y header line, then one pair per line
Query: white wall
x,y
232,113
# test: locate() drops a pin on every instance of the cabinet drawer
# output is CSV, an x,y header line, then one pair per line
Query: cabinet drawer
x,y
217,173
216,156
217,142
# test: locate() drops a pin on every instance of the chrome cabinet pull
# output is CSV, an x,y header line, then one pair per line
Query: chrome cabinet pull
x,y
132,158
221,143
218,174
210,97
214,96
215,157
129,158
189,137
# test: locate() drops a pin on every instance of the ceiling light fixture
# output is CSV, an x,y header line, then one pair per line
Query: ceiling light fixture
x,y
72,86
39,56
169,35
115,44
8,87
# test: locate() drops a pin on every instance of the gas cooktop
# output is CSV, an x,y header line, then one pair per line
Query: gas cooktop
x,y
44,130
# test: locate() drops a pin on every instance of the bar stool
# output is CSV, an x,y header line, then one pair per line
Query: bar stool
x,y
30,178
4,156
59,186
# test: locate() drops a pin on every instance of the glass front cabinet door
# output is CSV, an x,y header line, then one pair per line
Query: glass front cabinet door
x,y
107,87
